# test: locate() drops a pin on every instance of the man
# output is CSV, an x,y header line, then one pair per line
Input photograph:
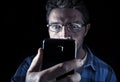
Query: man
x,y
67,19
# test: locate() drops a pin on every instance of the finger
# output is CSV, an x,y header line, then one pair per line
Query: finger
x,y
61,69
71,78
36,62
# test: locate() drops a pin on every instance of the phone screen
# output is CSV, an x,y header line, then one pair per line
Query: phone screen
x,y
57,51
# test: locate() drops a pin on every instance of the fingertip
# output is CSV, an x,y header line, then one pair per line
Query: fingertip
x,y
39,53
40,50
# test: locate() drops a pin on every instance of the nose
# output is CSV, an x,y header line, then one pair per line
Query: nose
x,y
65,33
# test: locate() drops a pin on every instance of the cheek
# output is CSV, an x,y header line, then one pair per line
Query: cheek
x,y
53,35
78,37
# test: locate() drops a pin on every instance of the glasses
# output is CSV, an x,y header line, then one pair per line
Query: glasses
x,y
74,27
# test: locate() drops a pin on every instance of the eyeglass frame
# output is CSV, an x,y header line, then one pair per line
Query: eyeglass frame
x,y
70,28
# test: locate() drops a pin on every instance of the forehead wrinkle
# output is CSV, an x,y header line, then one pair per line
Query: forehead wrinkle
x,y
64,16
61,18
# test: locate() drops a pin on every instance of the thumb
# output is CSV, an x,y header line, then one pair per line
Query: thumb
x,y
36,62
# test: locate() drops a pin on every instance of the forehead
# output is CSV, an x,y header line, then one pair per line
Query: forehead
x,y
65,15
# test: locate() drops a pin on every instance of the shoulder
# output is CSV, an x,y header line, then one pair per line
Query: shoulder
x,y
96,61
101,64
104,69
25,64
101,67
28,59
20,73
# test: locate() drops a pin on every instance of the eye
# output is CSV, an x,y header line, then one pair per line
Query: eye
x,y
76,26
55,26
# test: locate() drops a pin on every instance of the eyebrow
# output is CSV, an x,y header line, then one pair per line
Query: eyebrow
x,y
67,23
55,23
76,22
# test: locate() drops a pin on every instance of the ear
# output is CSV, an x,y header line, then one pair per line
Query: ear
x,y
87,29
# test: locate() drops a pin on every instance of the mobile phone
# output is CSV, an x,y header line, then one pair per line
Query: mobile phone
x,y
57,51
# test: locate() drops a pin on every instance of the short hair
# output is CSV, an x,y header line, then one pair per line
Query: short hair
x,y
75,4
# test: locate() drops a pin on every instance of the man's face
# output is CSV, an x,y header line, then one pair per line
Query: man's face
x,y
63,17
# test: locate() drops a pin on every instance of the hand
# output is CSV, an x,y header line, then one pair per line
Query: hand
x,y
49,75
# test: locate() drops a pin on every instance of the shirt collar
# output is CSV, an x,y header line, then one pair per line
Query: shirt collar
x,y
90,62
84,59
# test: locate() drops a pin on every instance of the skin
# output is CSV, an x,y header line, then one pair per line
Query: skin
x,y
61,16
64,16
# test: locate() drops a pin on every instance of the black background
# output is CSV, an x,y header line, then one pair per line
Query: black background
x,y
24,27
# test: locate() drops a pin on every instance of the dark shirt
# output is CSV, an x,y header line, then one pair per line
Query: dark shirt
x,y
94,70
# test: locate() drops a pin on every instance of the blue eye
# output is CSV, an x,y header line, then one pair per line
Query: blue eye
x,y
55,26
76,26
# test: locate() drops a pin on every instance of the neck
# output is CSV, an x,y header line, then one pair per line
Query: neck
x,y
81,53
